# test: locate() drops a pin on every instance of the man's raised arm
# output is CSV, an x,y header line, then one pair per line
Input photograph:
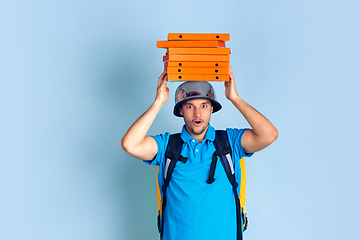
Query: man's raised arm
x,y
263,133
135,142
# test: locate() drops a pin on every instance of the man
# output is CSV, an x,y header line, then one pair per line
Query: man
x,y
195,209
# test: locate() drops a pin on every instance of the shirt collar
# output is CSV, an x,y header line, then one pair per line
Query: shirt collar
x,y
210,134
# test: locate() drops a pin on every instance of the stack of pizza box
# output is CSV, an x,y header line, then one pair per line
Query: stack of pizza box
x,y
196,56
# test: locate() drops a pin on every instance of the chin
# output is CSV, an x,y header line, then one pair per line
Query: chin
x,y
198,132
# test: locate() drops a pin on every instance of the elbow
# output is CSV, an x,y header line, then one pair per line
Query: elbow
x,y
125,145
273,136
267,139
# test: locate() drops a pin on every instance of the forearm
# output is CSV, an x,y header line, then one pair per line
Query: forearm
x,y
263,132
136,134
135,142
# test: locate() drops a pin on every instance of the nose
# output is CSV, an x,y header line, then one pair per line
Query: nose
x,y
197,112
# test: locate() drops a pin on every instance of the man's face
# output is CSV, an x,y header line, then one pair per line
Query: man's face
x,y
196,115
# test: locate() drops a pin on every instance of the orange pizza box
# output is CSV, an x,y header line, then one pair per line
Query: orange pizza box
x,y
200,51
196,71
196,64
199,36
197,77
190,44
197,58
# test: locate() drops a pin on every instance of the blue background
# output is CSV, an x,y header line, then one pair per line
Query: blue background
x,y
76,74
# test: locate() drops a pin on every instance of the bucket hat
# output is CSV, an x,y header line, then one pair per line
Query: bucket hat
x,y
195,90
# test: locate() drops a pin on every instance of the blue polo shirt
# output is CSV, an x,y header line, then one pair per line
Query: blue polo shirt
x,y
195,209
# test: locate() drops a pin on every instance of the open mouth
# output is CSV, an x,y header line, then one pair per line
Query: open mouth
x,y
197,123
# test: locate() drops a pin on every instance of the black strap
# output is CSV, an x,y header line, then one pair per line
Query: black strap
x,y
174,148
222,147
212,169
238,214
172,154
223,138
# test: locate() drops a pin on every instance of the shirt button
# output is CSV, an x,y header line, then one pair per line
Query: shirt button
x,y
193,140
196,150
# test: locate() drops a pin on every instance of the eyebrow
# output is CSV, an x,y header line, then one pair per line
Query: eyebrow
x,y
206,102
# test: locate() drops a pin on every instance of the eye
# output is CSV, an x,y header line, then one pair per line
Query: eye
x,y
204,105
189,106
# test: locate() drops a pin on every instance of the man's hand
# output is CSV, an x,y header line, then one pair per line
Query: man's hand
x,y
230,88
162,94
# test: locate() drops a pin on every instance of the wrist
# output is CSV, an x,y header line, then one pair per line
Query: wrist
x,y
235,99
158,103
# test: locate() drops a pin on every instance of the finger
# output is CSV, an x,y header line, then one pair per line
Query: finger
x,y
231,76
161,78
162,75
164,81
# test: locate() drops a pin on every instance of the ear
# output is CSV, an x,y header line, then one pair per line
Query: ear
x,y
212,108
180,111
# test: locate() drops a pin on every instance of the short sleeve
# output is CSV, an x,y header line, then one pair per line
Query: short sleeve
x,y
235,137
161,141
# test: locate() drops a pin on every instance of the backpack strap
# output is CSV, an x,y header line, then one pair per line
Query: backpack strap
x,y
172,155
223,151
